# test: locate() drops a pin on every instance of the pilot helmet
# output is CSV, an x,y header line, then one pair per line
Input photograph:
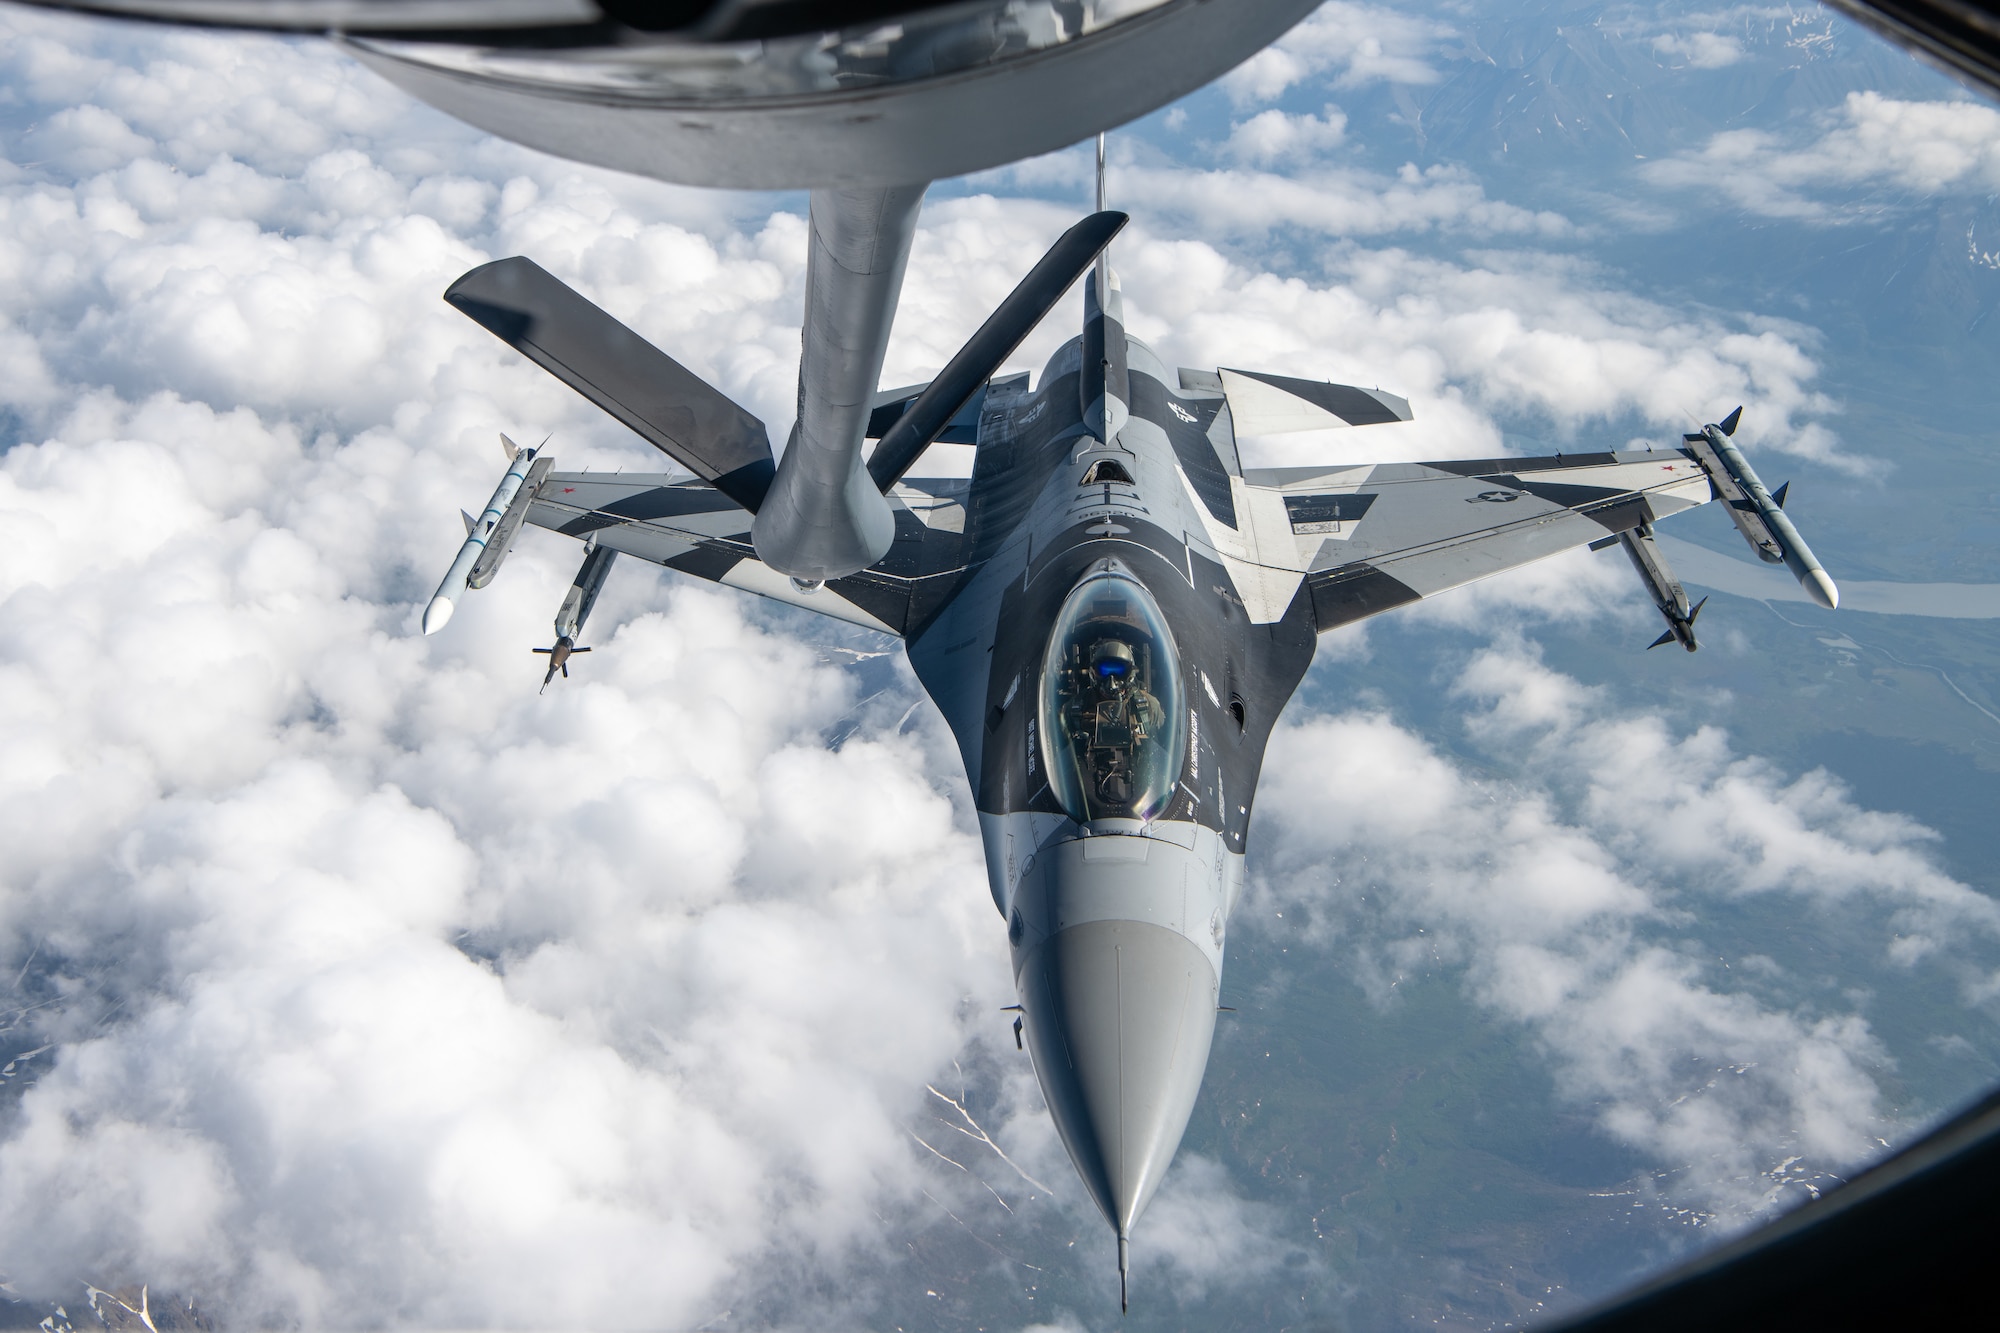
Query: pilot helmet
x,y
1111,662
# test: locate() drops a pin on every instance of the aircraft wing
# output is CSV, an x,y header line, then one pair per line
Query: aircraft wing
x,y
1369,538
690,526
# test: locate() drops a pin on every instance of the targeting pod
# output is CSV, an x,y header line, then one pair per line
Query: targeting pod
x,y
1665,589
488,537
1759,515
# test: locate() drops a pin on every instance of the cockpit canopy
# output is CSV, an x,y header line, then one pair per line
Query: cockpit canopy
x,y
1113,712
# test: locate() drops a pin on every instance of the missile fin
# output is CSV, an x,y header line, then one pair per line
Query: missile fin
x,y
470,522
1778,496
1728,424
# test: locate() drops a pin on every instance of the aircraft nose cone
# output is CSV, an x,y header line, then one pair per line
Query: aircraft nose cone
x,y
1120,1015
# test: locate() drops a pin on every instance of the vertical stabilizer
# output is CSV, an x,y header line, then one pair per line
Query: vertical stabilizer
x,y
1105,386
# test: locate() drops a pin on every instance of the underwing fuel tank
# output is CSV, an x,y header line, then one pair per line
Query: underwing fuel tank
x,y
1759,515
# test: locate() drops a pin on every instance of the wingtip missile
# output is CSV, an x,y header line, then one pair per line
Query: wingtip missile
x,y
475,565
1124,1272
437,614
1758,514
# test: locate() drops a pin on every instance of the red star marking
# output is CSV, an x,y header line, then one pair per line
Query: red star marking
x,y
569,490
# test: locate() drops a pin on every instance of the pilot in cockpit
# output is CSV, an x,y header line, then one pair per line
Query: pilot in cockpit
x,y
1112,702
1122,698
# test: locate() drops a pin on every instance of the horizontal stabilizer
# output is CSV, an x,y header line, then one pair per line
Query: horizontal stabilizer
x,y
1261,404
670,406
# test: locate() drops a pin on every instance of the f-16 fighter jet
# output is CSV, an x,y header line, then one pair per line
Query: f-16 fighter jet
x,y
1110,612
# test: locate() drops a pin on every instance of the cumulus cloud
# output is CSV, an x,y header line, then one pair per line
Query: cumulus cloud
x,y
1575,905
1516,333
1274,136
612,990
1335,202
1359,44
1872,143
1699,50
381,990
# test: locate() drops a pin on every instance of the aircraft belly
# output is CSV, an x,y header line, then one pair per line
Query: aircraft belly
x,y
794,127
